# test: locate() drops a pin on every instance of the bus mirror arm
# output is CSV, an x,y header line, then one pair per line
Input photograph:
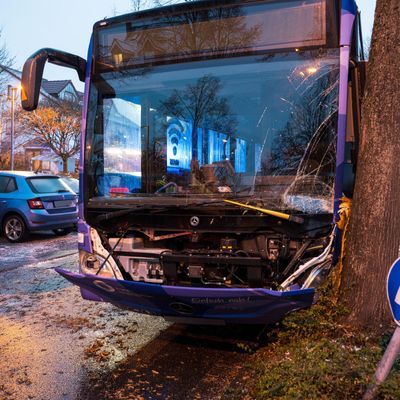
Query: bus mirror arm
x,y
32,73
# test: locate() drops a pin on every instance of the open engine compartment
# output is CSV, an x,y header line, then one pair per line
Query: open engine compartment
x,y
237,260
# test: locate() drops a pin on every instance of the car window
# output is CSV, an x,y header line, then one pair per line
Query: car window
x,y
72,183
7,184
47,184
3,183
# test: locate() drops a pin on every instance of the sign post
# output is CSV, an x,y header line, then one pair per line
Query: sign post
x,y
393,349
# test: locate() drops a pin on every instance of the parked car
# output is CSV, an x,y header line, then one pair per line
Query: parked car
x,y
32,202
72,183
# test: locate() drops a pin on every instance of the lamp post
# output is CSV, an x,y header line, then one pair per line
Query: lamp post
x,y
11,96
1,118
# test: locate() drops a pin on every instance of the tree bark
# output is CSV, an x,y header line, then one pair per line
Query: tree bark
x,y
65,165
373,241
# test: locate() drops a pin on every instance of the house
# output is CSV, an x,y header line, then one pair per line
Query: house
x,y
49,162
63,90
28,152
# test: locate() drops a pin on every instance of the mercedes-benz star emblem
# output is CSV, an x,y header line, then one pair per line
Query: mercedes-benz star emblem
x,y
194,221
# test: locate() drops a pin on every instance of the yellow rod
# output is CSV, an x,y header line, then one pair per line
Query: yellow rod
x,y
277,214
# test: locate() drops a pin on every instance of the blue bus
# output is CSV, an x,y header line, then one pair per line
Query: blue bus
x,y
218,140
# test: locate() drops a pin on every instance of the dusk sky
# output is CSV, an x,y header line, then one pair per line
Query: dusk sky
x,y
29,25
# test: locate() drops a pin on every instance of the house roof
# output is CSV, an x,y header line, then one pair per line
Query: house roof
x,y
14,72
52,157
52,88
18,75
55,87
33,142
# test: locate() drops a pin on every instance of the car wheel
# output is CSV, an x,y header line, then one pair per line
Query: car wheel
x,y
62,231
14,229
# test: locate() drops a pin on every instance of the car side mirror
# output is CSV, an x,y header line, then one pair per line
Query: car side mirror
x,y
32,73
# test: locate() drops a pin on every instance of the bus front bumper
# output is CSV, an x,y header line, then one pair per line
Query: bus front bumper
x,y
192,304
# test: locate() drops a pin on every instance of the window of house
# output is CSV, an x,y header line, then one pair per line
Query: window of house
x,y
45,165
69,96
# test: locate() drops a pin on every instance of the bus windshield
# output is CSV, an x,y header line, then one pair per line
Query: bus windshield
x,y
260,125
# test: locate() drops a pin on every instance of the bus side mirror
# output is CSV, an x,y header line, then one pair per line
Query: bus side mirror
x,y
32,73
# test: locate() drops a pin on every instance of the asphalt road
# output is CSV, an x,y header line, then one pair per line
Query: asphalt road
x,y
56,346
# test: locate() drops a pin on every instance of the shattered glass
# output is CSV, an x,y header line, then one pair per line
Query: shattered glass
x,y
260,126
314,164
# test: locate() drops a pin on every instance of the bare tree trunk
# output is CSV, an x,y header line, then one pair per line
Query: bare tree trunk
x,y
65,165
374,238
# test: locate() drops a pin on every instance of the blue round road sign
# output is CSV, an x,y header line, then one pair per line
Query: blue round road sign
x,y
393,290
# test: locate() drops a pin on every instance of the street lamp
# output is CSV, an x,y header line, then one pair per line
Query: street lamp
x,y
2,96
12,90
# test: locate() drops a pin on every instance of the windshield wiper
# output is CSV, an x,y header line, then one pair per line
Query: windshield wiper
x,y
277,214
157,208
223,201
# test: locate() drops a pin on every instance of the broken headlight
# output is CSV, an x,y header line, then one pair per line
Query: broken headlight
x,y
94,264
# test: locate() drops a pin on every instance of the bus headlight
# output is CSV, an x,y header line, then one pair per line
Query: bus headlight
x,y
90,264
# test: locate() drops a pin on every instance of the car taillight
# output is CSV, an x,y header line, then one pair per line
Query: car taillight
x,y
119,190
35,204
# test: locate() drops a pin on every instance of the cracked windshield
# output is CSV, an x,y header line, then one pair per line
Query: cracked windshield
x,y
164,123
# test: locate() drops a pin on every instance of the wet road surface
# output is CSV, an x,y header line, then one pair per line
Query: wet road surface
x,y
50,339
40,247
56,346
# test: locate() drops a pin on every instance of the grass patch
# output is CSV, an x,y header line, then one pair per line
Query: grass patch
x,y
311,356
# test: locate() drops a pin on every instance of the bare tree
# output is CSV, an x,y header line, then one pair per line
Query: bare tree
x,y
374,237
5,61
367,47
57,127
161,3
306,145
202,104
138,5
20,137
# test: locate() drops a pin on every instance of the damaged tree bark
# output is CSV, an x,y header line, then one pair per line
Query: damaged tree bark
x,y
373,241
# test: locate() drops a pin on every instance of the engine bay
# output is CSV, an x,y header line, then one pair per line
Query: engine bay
x,y
265,260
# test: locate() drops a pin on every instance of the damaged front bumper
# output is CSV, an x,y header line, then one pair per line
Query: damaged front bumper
x,y
193,304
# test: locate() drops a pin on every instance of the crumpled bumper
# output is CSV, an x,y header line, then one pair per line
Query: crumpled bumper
x,y
191,304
